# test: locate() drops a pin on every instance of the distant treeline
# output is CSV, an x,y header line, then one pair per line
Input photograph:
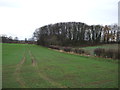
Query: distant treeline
x,y
76,33
5,39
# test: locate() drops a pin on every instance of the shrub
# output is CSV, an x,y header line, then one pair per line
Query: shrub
x,y
112,53
73,50
99,52
61,48
108,53
118,55
54,47
79,51
67,49
87,53
76,50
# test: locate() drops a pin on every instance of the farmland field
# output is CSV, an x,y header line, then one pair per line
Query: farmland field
x,y
32,66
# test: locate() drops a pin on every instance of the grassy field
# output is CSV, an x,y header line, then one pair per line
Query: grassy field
x,y
32,66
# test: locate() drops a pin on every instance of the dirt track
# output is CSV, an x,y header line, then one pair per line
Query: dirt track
x,y
17,72
34,64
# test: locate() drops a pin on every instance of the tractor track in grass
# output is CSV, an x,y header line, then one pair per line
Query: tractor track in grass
x,y
34,64
18,70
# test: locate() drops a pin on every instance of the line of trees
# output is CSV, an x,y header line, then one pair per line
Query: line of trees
x,y
6,39
76,33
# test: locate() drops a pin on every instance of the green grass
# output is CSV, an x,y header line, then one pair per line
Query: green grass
x,y
55,69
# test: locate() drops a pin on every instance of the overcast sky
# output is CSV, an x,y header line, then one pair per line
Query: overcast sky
x,y
21,17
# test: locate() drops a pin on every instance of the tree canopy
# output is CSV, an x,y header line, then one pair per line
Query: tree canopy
x,y
75,33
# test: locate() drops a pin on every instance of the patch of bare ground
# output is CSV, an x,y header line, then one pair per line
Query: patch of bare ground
x,y
17,72
43,76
